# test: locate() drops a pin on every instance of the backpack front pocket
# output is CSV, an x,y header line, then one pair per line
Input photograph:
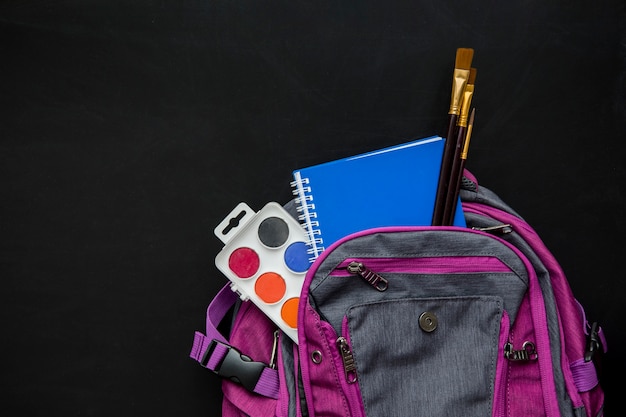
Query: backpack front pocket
x,y
424,312
419,354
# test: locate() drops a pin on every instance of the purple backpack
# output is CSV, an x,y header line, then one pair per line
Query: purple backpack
x,y
417,321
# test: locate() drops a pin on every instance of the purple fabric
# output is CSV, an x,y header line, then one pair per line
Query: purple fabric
x,y
584,373
525,380
574,340
321,379
217,356
253,334
216,311
267,385
537,309
467,174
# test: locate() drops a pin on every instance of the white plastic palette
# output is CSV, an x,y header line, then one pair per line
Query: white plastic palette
x,y
265,258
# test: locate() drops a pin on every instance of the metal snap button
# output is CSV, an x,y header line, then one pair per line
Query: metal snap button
x,y
428,321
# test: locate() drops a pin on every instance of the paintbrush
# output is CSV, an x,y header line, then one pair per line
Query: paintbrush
x,y
458,175
466,102
460,77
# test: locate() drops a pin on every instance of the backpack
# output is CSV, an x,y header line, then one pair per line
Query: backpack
x,y
417,321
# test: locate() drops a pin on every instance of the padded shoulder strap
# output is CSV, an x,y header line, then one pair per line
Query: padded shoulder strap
x,y
214,352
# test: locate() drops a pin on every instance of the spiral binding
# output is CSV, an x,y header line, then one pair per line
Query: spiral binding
x,y
307,215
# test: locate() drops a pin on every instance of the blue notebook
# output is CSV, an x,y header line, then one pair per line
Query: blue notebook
x,y
394,186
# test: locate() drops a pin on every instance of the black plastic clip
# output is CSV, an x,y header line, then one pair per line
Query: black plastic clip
x,y
237,367
593,342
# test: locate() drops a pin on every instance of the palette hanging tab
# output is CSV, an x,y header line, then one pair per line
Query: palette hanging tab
x,y
265,257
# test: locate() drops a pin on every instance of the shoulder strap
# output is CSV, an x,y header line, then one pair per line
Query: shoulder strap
x,y
213,351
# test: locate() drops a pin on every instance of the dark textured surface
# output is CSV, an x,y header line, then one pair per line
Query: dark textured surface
x,y
128,130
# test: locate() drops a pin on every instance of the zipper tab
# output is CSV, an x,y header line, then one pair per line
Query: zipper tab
x,y
501,229
349,367
371,277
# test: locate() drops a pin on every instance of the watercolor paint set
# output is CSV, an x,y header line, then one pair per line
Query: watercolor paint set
x,y
265,257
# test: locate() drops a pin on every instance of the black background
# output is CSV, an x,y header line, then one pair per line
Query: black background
x,y
130,129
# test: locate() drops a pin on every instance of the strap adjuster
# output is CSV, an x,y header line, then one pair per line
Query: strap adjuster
x,y
235,366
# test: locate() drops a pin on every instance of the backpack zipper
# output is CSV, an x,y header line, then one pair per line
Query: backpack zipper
x,y
499,229
371,277
349,383
502,370
347,358
370,269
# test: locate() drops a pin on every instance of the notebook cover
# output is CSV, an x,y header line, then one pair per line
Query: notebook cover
x,y
393,186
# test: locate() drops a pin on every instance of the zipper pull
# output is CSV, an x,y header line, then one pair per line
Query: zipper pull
x,y
501,229
372,278
349,367
526,353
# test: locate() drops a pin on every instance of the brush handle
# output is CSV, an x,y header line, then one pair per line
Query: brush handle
x,y
454,180
444,173
457,189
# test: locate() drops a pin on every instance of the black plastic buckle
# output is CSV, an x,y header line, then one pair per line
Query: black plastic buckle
x,y
236,367
593,342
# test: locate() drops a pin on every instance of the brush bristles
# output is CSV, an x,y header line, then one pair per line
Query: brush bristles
x,y
464,58
472,76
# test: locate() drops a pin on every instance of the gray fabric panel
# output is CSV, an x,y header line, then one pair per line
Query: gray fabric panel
x,y
286,346
447,372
